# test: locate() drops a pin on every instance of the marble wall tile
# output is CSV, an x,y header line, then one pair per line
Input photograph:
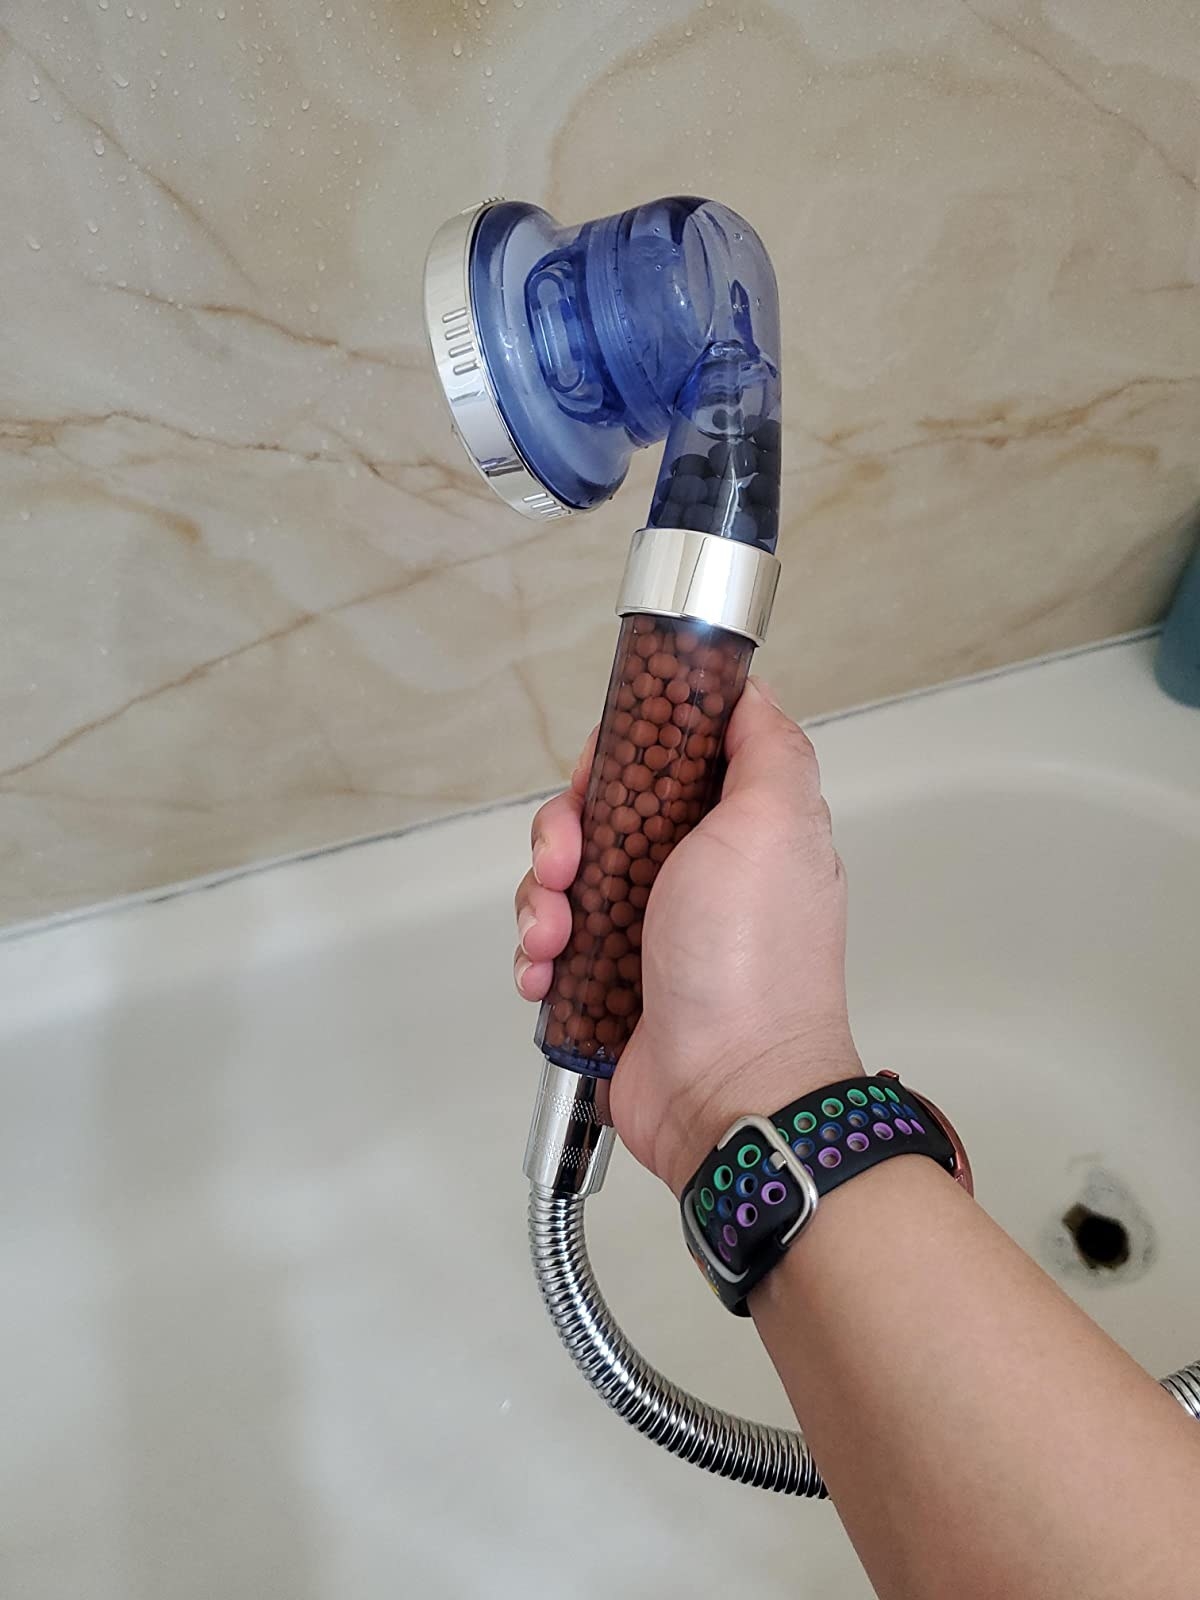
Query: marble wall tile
x,y
253,598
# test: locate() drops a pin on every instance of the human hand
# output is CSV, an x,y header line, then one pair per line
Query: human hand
x,y
743,960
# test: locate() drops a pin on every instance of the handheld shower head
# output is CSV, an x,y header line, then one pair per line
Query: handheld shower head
x,y
564,350
561,351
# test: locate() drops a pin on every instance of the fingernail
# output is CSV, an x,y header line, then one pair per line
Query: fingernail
x,y
525,922
539,850
520,967
768,694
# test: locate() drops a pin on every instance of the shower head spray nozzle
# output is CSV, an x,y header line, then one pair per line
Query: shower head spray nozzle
x,y
563,350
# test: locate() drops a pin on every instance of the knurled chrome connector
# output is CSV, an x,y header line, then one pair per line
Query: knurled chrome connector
x,y
571,1135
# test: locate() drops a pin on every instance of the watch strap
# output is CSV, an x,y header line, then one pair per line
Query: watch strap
x,y
755,1192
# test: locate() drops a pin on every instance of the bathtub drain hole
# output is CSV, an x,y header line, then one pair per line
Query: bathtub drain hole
x,y
1102,1242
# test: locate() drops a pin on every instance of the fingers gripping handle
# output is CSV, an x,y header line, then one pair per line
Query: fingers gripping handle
x,y
695,605
657,770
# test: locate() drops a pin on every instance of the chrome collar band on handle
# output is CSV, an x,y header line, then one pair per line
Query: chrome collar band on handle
x,y
450,325
675,572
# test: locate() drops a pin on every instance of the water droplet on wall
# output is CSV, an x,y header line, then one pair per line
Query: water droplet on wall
x,y
34,244
457,49
98,145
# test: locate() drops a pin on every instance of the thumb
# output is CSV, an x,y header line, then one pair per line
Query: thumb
x,y
770,757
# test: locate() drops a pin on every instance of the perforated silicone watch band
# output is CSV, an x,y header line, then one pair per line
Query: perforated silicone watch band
x,y
742,1207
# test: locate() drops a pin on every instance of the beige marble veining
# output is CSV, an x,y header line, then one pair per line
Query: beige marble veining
x,y
253,597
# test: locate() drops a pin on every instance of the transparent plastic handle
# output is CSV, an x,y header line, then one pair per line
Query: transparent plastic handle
x,y
658,768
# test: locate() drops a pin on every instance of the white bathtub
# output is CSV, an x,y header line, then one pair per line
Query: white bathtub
x,y
268,1328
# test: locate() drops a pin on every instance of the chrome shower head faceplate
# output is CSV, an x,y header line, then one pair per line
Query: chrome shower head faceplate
x,y
462,371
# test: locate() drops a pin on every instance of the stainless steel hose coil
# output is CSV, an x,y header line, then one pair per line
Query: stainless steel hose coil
x,y
1184,1385
748,1452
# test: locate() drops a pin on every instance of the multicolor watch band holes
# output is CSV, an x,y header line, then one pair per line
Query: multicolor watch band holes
x,y
744,1203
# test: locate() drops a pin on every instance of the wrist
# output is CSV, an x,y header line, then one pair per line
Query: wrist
x,y
696,1119
763,1183
916,1189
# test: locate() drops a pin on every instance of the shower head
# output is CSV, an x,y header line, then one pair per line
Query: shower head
x,y
562,350
463,372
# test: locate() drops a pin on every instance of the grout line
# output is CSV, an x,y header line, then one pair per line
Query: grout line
x,y
216,880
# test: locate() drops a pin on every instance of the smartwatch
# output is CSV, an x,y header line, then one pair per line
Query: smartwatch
x,y
759,1189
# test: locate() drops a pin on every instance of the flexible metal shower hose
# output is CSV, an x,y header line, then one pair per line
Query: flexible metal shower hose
x,y
748,1452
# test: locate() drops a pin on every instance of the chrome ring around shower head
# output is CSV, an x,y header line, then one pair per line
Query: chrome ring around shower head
x,y
462,372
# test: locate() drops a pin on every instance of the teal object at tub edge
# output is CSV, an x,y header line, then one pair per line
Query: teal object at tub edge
x,y
1177,665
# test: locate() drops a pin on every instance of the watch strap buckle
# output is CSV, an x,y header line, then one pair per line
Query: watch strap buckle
x,y
727,1285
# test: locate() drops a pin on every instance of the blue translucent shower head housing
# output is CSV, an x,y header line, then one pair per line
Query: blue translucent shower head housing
x,y
661,322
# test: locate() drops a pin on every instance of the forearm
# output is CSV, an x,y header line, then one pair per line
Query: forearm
x,y
977,1432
